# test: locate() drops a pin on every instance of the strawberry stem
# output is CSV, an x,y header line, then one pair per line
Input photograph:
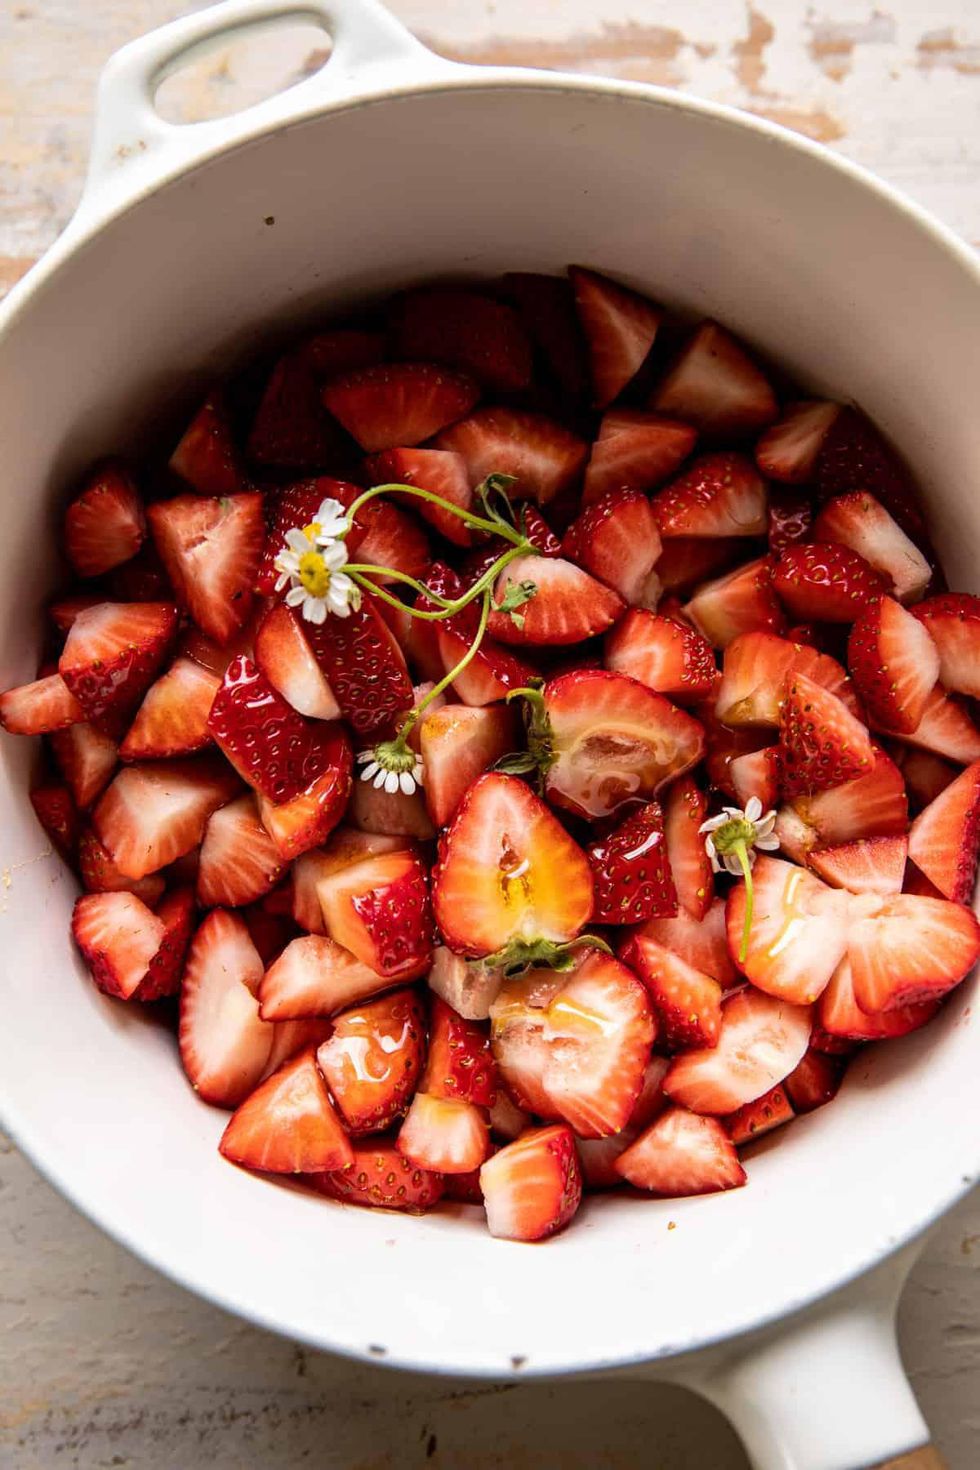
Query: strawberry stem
x,y
741,852
495,527
415,715
360,572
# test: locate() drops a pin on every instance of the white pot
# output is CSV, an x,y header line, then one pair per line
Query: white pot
x,y
388,166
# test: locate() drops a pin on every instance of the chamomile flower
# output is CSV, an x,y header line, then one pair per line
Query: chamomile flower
x,y
732,829
311,566
393,766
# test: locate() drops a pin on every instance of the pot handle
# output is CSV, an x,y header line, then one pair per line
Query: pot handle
x,y
133,147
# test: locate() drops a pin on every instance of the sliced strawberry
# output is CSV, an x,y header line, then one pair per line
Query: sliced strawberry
x,y
112,653
725,744
547,308
142,579
295,506
206,456
314,976
715,385
99,873
507,1120
342,349
173,718
373,1059
287,1125
598,1156
308,819
685,809
789,449
815,1081
567,606
54,806
755,672
662,654
854,456
635,451
104,524
375,811
906,949
619,326
239,861
163,977
465,329
686,1001
381,1178
758,773
543,456
841,1017
755,1119
379,910
118,937
392,540
798,935
64,610
945,728
944,837
616,539
682,1154
874,805
152,814
444,1134
365,667
271,746
270,933
762,1039
458,744
285,659
613,741
440,471
215,657
398,403
719,495
290,426
953,621
826,582
790,516
862,523
224,1045
532,1187
821,743
703,943
894,662
39,708
742,602
211,550
869,865
926,775
344,847
686,561
631,870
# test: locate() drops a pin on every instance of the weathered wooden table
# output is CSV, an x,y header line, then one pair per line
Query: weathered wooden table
x,y
101,1362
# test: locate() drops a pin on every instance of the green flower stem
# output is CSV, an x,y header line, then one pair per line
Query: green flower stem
x,y
415,715
477,523
741,852
360,571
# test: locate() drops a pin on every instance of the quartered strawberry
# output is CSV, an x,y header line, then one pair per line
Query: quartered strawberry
x,y
861,522
616,539
141,579
715,385
342,349
904,949
762,1039
742,602
38,708
345,846
381,1178
507,1120
458,744
379,910
544,457
826,582
842,1019
173,718
718,495
112,653
798,935
224,1044
285,659
619,326
662,654
365,667
290,427
868,865
631,870
567,606
306,820
533,1186
440,471
163,976
894,662
315,976
99,873
944,838
460,1062
392,540
469,987
270,933
294,506
945,728
790,516
64,610
682,1154
854,456
239,861
754,675
815,1081
118,937
374,810
398,403
758,773
821,743
437,647
755,1119
373,1059
547,308
598,1156
613,740
153,813
54,806
953,622
874,805
465,329
206,456
789,449
635,451
211,550
287,1125
271,746
686,561
703,943
686,1001
926,775
685,808
104,524
465,1189
444,1134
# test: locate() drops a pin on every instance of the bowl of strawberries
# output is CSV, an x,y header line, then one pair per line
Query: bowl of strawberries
x,y
491,783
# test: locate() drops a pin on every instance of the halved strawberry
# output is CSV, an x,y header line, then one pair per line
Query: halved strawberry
x,y
926,775
393,813
826,582
861,522
815,1081
364,666
379,910
613,740
104,524
54,806
685,808
547,308
758,773
874,805
868,865
381,1178
206,456
287,1125
790,518
855,456
224,1044
308,819
533,1186
542,455
112,653
315,976
719,495
438,470
742,602
945,728
703,943
945,836
567,606
458,744
755,1119
663,654
635,451
894,662
118,936
798,935
271,746
715,385
905,949
152,814
682,1154
686,561
290,426
99,873
38,708
953,622
444,1134
285,658
686,1001
373,1059
631,870
755,673
619,326
173,718
341,349
239,861
466,329
821,743
211,550
762,1039
789,449
398,403
616,539
841,1017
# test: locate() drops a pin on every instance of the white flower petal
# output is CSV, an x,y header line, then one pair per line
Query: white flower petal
x,y
764,827
315,610
363,756
407,782
753,809
713,823
297,541
369,772
295,596
380,779
330,510
281,581
768,843
334,555
391,782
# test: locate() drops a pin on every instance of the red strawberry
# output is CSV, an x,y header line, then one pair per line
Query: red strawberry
x,y
906,949
224,1045
926,775
686,561
547,307
616,539
465,1189
598,1156
869,865
308,819
444,1134
491,673
719,495
374,810
173,718
790,515
206,456
285,659
758,773
379,910
458,744
543,456
724,745
944,838
112,653
840,1015
822,744
272,747
142,579
315,976
953,621
152,814
798,935
287,1125
295,506
703,943
163,977
789,449
38,708
344,847
755,1119
364,666
239,861
716,386
64,610
467,330
631,870
870,806
682,1154
686,1001
438,470
815,1081
104,524
342,349
399,403
755,672
862,523
392,540
469,987
894,662
662,654
99,873
54,806
373,1059
381,1179
270,933
619,326
460,1063
742,602
613,741
854,456
532,1187
826,582
567,606
945,728
635,451
685,809
118,936
86,758
211,550
290,426
762,1039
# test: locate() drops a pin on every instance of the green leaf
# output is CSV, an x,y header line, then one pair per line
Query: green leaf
x,y
493,497
518,763
519,955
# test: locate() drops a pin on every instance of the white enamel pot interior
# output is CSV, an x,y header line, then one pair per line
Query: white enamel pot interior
x,y
387,167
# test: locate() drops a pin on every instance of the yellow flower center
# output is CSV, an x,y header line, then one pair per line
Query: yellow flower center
x,y
314,573
312,531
